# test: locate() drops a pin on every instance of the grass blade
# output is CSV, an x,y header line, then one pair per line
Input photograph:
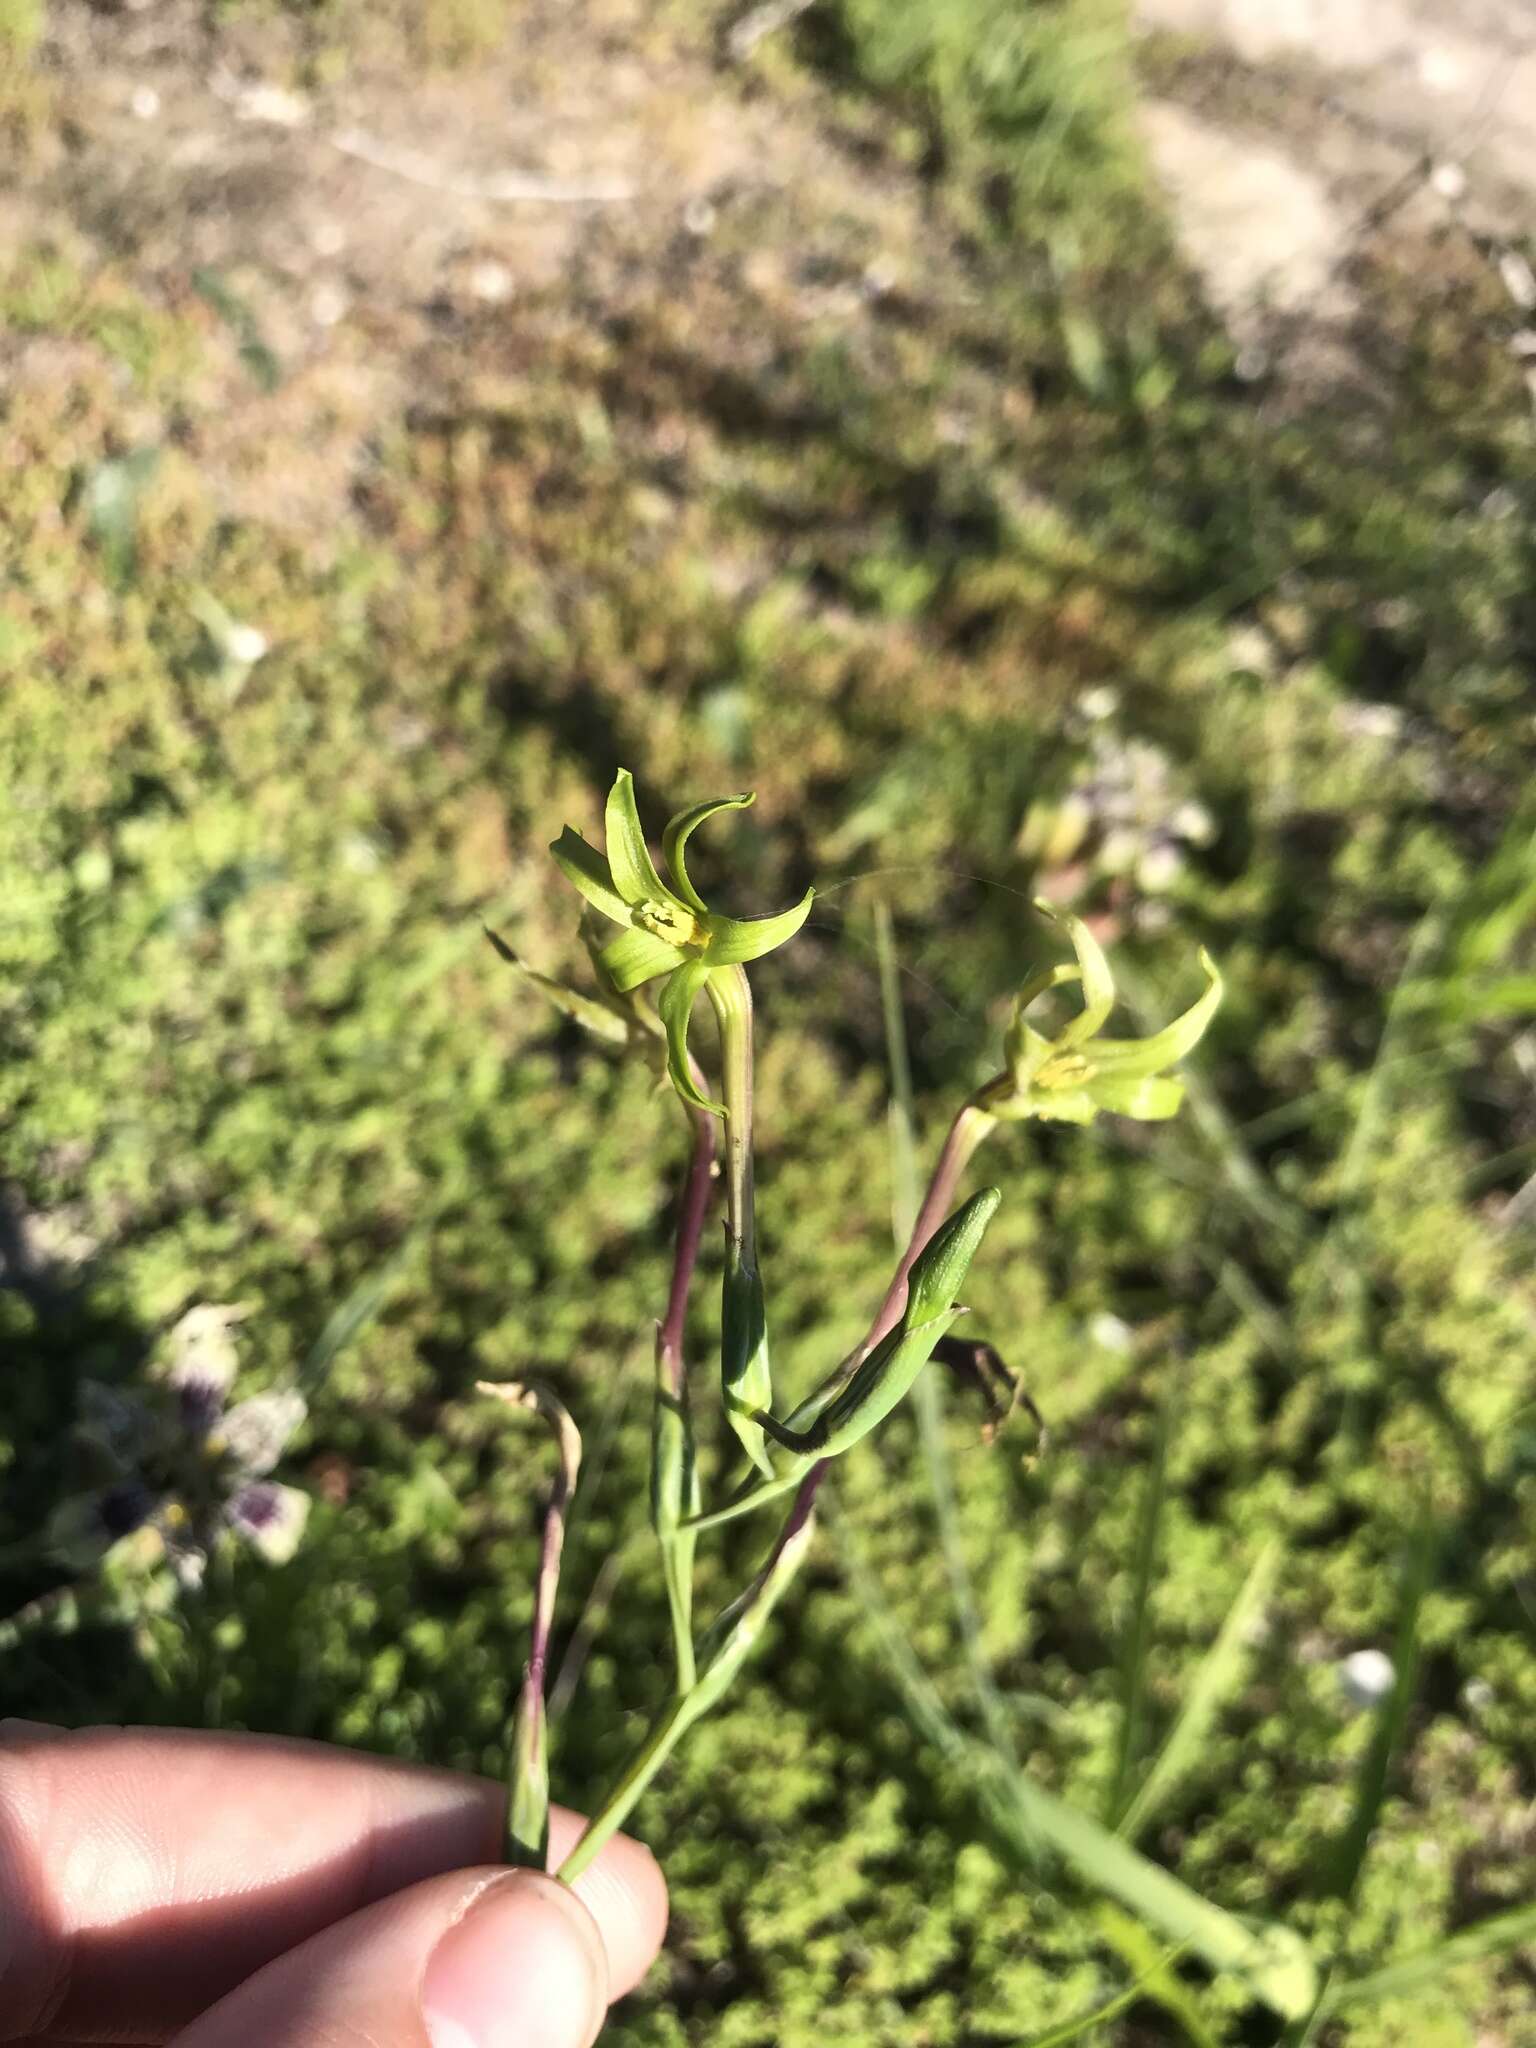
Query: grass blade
x,y
928,1391
1133,1661
1391,1721
1217,1679
1272,1961
1074,2029
1490,1937
1160,1983
349,1319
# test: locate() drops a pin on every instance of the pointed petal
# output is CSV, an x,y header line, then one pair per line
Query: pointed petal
x,y
635,957
586,1011
255,1432
629,858
735,940
675,1007
1130,1058
682,828
584,867
1098,982
1063,1106
1153,1097
1047,978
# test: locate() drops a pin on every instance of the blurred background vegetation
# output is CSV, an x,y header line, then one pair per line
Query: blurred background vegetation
x,y
874,448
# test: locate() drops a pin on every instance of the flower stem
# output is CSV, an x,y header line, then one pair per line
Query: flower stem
x,y
674,1479
972,1124
697,1190
731,994
643,1766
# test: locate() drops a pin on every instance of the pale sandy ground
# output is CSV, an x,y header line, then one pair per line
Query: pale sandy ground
x,y
1286,123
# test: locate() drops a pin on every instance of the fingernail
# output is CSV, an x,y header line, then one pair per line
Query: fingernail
x,y
524,1968
14,1729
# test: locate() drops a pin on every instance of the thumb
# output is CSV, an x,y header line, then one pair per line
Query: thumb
x,y
478,1959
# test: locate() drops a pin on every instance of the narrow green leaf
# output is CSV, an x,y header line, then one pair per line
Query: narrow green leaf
x,y
1391,1718
735,940
733,1637
1160,1983
584,867
111,501
679,830
629,858
745,1372
674,1006
1217,1679
1137,1636
584,1010
350,1318
1272,1960
676,1495
1491,1937
636,957
1074,2029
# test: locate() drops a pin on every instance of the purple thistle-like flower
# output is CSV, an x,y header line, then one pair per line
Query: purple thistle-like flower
x,y
124,1508
200,1401
271,1518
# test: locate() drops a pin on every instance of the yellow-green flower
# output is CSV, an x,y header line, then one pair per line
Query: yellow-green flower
x,y
1071,1077
668,928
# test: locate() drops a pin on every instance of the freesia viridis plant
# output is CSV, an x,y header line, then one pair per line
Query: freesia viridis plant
x,y
668,940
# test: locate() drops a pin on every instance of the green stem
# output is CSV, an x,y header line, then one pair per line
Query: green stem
x,y
643,1766
748,1504
731,995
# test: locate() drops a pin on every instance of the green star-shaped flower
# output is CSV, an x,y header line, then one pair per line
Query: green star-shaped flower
x,y
1071,1077
669,929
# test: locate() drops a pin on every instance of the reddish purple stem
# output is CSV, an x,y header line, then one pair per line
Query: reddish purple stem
x,y
965,1134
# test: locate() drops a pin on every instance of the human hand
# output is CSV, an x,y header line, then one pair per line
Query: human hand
x,y
244,1891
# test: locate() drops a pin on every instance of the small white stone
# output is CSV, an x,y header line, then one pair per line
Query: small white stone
x,y
1101,702
1441,70
1366,1677
1519,279
327,238
1109,1332
1194,823
1159,867
145,103
246,644
1449,180
491,281
699,216
1477,1695
327,304
271,103
1370,721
